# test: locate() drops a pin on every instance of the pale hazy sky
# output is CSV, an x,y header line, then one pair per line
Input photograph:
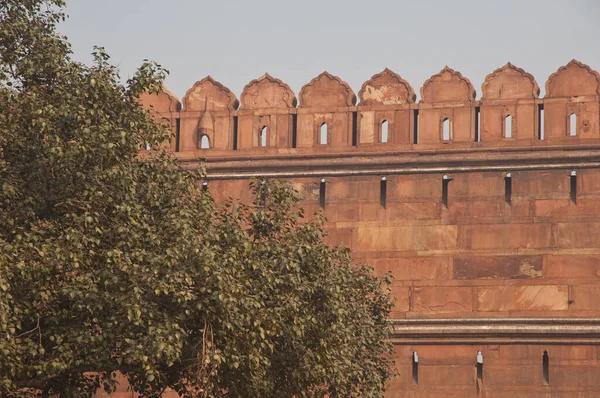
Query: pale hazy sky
x,y
236,41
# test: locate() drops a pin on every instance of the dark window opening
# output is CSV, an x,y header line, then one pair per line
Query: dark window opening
x,y
415,368
235,133
479,371
294,130
383,192
508,188
354,128
573,193
546,368
204,186
416,126
541,122
177,133
445,182
477,124
322,194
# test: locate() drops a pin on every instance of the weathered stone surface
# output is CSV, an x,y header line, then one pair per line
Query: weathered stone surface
x,y
442,299
502,267
528,298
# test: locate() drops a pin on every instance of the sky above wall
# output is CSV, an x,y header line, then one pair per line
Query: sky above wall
x,y
236,41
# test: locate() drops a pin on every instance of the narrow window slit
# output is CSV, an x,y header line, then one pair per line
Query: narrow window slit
x,y
323,137
541,122
204,186
477,124
235,133
546,368
445,182
415,368
384,131
177,133
508,126
294,130
479,371
508,188
383,192
322,194
573,181
263,136
573,125
416,126
446,129
354,128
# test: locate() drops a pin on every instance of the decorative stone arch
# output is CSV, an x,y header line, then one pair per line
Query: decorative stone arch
x,y
509,82
162,102
573,80
267,92
447,86
386,88
209,90
327,90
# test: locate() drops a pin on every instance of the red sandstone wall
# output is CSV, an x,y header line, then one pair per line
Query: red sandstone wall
x,y
529,262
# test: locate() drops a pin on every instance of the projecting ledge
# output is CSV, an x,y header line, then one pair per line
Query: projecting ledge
x,y
497,331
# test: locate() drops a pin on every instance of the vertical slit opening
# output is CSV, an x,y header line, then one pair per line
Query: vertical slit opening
x,y
323,135
322,194
546,368
573,125
235,133
204,186
445,183
262,137
177,133
508,126
573,183
541,122
415,368
354,128
508,189
446,129
477,124
416,126
384,131
294,129
383,192
479,371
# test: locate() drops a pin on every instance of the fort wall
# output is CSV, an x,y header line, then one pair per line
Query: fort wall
x,y
486,211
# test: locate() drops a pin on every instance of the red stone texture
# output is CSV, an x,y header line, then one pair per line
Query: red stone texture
x,y
479,254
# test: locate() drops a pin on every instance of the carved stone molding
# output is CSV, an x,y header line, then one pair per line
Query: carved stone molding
x,y
509,82
386,88
497,331
267,92
447,86
573,79
208,89
327,90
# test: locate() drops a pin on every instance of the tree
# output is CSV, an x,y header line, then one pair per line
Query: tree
x,y
114,262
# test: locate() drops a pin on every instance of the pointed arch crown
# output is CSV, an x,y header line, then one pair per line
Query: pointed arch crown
x,y
509,82
573,80
327,90
447,86
162,102
209,94
267,92
386,88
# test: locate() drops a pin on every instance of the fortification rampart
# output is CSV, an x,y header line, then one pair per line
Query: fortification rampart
x,y
486,211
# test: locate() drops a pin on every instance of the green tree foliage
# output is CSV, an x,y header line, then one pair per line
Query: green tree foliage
x,y
112,262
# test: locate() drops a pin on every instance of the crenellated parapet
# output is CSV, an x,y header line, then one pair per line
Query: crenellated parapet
x,y
269,120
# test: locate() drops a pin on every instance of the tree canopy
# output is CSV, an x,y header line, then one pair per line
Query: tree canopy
x,y
115,262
